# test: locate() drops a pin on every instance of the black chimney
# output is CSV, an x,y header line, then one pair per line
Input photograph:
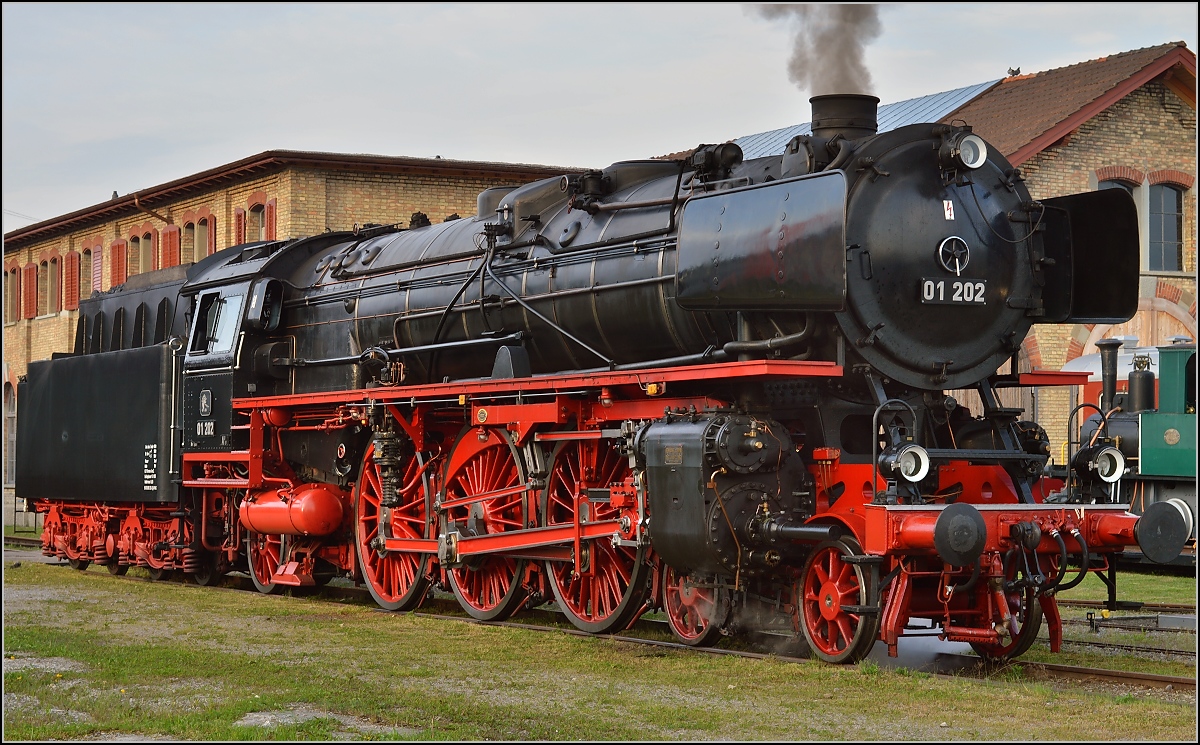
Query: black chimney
x,y
1108,371
851,115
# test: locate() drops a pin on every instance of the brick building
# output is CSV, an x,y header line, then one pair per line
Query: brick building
x,y
50,265
1127,121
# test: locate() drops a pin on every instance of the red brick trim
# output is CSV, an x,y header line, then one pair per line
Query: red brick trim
x,y
1074,349
1173,177
1126,174
1033,352
1168,292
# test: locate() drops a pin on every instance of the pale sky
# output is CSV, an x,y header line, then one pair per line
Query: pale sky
x,y
120,97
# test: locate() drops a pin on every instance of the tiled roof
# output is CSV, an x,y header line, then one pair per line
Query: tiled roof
x,y
1024,114
891,116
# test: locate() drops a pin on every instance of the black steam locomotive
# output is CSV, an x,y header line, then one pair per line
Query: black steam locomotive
x,y
709,386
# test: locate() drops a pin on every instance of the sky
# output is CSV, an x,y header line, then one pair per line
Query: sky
x,y
104,97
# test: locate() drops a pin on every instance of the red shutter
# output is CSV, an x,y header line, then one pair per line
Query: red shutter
x,y
155,260
116,275
269,218
29,291
239,226
212,235
170,246
71,281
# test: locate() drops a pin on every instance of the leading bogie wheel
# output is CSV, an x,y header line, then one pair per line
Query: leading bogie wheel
x,y
488,587
264,555
832,593
1025,621
609,591
696,610
396,579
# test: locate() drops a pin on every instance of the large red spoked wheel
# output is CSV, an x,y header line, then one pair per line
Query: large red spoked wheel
x,y
264,554
695,612
836,633
1025,621
608,594
397,579
488,588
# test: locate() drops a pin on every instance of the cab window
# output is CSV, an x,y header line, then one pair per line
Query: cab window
x,y
216,324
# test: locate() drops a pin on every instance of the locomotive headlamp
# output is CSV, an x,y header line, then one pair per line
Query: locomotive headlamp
x,y
1103,462
909,462
963,150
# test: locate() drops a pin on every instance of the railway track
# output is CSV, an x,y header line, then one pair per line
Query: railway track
x,y
972,666
1155,607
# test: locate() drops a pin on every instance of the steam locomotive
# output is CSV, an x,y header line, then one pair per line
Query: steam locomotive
x,y
707,386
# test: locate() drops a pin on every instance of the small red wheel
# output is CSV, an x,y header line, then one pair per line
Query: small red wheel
x,y
829,583
1025,621
264,554
609,594
396,579
489,588
695,612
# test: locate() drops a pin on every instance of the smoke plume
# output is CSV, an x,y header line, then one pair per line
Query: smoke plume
x,y
829,45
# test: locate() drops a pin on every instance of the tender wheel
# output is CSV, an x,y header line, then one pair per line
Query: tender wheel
x,y
829,583
157,575
264,554
396,579
79,564
1025,621
116,568
488,588
695,614
610,591
206,573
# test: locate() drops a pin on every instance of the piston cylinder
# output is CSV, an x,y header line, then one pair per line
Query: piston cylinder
x,y
309,509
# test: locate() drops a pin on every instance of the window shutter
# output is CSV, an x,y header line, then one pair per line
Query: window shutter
x,y
29,291
71,281
269,218
212,235
117,264
170,246
239,226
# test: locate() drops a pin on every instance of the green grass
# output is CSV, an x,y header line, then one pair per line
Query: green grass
x,y
175,660
1144,586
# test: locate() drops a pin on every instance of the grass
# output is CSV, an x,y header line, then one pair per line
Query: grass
x,y
107,655
1147,586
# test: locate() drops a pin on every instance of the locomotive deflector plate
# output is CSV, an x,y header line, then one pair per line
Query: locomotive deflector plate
x,y
778,245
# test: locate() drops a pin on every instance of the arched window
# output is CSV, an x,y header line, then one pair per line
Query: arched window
x,y
187,243
256,224
133,257
1166,228
85,274
10,435
1116,184
48,287
147,258
204,239
12,295
43,289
